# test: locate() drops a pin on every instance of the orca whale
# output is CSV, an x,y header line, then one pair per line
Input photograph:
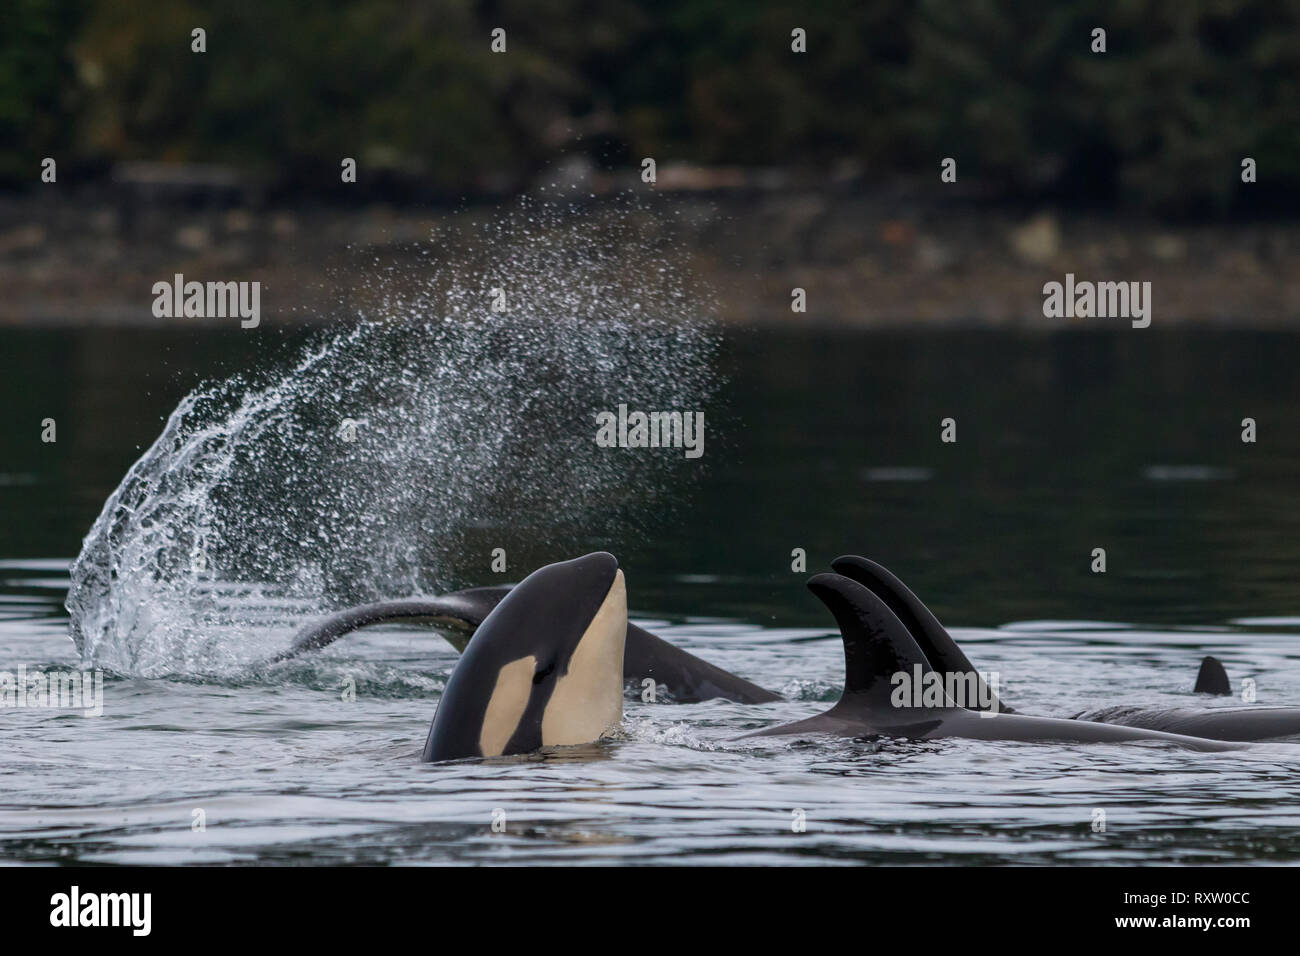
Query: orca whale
x,y
878,647
1222,723
689,679
942,652
545,667
457,615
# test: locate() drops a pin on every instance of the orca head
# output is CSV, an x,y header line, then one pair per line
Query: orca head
x,y
545,668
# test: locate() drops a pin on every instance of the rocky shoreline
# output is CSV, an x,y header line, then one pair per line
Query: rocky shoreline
x,y
884,260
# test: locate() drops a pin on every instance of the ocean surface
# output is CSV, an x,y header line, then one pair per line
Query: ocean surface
x,y
826,441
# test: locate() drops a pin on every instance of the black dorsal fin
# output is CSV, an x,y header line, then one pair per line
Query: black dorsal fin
x,y
1212,678
876,644
936,643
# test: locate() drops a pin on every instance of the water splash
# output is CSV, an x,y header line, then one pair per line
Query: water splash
x,y
433,429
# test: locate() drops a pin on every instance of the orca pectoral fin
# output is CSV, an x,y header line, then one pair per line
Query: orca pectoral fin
x,y
456,616
1212,678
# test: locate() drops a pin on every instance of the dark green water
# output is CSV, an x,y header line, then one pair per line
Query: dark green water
x,y
830,442
1129,441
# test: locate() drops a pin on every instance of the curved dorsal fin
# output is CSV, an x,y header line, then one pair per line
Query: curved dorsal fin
x,y
1212,678
876,644
931,636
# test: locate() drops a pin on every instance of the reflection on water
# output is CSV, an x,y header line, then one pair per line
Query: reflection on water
x,y
830,442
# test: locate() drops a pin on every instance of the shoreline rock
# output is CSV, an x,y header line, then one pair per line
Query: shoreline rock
x,y
886,260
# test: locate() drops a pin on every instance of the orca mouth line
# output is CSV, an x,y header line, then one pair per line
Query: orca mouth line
x,y
887,631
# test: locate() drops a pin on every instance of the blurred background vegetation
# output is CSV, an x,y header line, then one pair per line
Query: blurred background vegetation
x,y
411,89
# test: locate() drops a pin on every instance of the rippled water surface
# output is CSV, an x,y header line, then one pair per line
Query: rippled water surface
x,y
829,442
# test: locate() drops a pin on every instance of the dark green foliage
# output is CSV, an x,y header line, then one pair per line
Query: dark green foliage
x,y
1008,87
37,84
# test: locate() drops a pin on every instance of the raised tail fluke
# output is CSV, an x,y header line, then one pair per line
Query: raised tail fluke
x,y
1212,678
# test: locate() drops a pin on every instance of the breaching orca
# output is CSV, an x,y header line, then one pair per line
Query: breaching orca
x,y
877,647
545,668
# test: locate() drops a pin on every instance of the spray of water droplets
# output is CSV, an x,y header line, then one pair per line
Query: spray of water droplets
x,y
392,458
